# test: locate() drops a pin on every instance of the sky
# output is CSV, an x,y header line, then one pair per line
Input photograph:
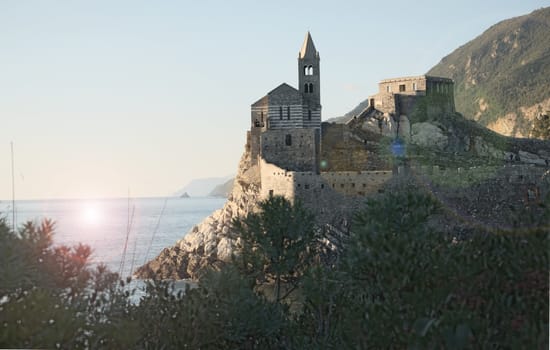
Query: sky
x,y
105,98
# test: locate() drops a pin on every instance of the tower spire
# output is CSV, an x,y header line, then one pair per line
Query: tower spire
x,y
308,48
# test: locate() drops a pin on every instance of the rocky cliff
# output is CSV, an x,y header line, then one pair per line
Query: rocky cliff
x,y
211,242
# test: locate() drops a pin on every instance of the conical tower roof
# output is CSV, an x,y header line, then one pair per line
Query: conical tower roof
x,y
308,48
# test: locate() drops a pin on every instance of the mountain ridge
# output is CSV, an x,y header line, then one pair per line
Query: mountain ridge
x,y
202,187
502,76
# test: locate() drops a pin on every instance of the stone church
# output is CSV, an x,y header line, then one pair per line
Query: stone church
x,y
286,123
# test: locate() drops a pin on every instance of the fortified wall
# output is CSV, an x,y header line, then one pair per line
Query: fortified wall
x,y
337,191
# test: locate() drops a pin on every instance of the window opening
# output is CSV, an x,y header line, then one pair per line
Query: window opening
x,y
288,140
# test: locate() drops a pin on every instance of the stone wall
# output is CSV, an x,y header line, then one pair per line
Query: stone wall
x,y
385,102
412,85
332,194
317,190
512,174
292,149
276,181
356,183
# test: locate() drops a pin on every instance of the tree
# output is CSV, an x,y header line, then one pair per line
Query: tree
x,y
276,243
49,295
414,287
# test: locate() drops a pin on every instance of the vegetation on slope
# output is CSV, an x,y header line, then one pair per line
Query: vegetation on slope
x,y
502,70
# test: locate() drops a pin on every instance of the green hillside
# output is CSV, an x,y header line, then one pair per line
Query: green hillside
x,y
503,72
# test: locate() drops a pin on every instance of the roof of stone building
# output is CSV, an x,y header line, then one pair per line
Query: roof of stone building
x,y
419,77
308,48
283,88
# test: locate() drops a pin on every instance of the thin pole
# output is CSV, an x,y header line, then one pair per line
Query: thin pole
x,y
128,229
12,188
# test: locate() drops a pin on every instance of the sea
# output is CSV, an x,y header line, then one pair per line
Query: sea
x,y
123,233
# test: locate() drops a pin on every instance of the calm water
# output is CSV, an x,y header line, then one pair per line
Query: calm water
x,y
103,224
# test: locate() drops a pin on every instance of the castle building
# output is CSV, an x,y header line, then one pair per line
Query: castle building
x,y
402,101
399,96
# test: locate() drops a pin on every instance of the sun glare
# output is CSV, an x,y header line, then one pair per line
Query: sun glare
x,y
91,213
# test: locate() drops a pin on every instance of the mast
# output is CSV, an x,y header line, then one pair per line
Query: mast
x,y
12,189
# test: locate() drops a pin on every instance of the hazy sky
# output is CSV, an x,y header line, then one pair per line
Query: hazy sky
x,y
104,96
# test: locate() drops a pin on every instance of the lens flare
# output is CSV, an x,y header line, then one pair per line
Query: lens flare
x,y
91,213
398,148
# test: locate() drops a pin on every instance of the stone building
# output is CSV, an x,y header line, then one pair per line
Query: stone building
x,y
286,123
400,96
285,143
401,101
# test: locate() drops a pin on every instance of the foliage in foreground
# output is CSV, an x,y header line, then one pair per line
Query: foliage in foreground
x,y
398,284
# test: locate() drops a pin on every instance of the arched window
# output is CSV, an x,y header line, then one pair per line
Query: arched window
x,y
305,70
310,70
309,114
288,140
310,87
306,88
281,112
288,112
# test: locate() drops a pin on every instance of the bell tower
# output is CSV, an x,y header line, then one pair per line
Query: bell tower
x,y
309,75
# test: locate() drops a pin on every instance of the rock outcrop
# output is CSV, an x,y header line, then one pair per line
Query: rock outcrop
x,y
428,135
211,242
